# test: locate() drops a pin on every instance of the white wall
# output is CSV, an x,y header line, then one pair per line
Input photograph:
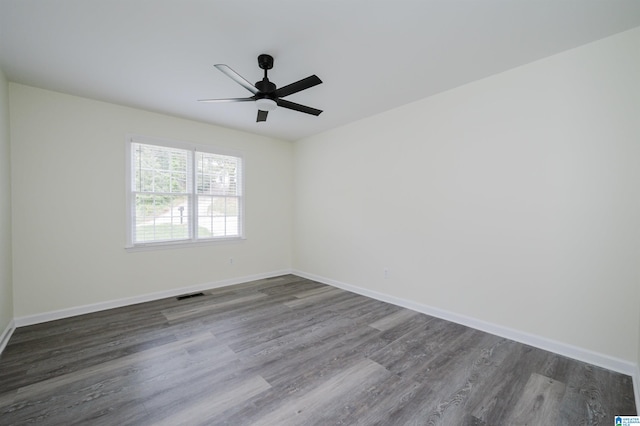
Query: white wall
x,y
6,288
68,168
512,200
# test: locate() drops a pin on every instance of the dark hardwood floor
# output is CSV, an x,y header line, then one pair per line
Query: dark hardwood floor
x,y
290,351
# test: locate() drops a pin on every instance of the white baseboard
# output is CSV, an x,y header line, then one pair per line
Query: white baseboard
x,y
6,335
636,388
101,306
574,352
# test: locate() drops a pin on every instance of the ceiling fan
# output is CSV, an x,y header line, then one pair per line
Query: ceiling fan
x,y
265,94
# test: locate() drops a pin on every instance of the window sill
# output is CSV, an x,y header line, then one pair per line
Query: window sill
x,y
182,244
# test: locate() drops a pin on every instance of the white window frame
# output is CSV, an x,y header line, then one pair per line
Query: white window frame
x,y
193,218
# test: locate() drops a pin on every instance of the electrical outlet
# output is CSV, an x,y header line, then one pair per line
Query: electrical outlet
x,y
231,261
386,273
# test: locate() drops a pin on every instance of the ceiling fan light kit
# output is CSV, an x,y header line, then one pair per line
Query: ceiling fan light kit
x,y
265,104
266,95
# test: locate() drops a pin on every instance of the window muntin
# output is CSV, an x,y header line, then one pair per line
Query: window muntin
x,y
182,193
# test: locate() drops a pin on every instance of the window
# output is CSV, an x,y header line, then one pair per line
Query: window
x,y
181,193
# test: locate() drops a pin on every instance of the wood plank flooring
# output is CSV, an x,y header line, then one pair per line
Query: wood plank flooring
x,y
290,351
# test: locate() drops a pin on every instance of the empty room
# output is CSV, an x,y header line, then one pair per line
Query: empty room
x,y
319,212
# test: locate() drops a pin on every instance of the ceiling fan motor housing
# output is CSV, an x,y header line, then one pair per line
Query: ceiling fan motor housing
x,y
265,87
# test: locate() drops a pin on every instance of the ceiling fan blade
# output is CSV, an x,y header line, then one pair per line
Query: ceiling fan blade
x,y
303,84
297,107
262,115
227,100
237,78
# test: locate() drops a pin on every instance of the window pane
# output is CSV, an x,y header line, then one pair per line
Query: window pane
x,y
161,217
217,174
179,182
160,169
232,216
218,216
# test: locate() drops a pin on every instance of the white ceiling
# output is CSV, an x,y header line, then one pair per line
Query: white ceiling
x,y
372,55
